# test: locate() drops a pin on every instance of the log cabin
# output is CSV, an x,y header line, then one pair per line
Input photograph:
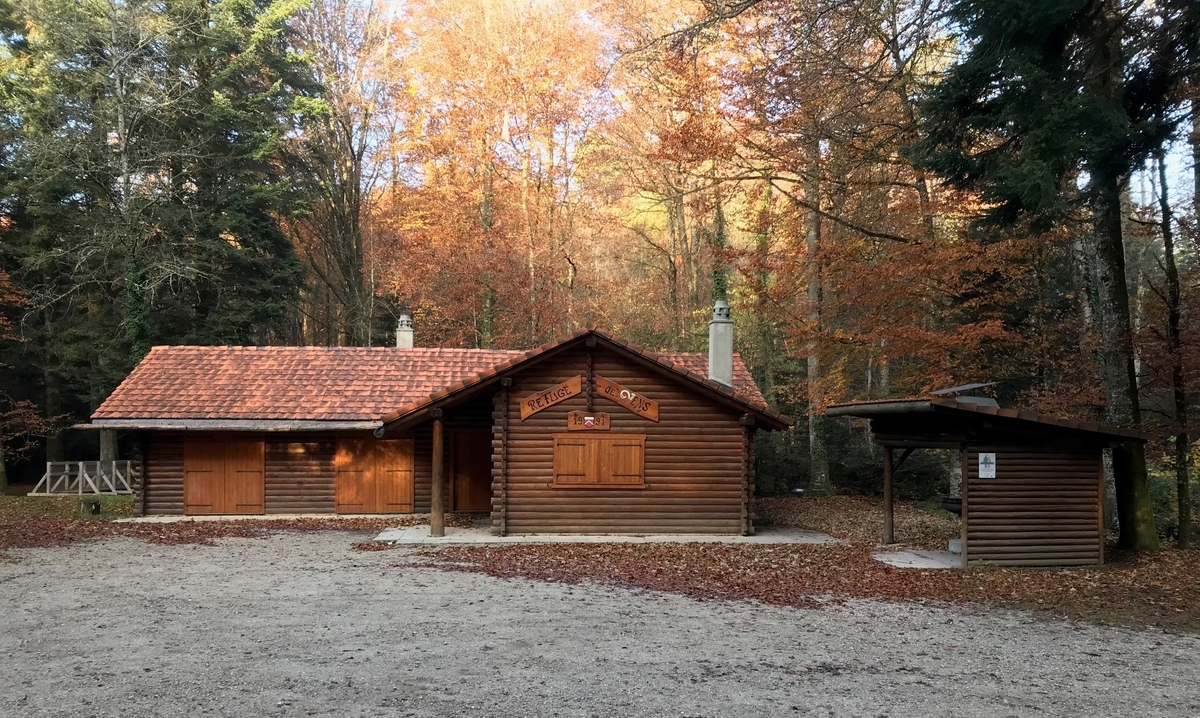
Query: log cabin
x,y
586,434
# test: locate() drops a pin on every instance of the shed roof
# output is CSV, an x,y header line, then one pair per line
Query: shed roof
x,y
294,387
924,418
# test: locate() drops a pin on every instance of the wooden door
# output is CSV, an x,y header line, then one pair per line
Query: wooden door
x,y
394,475
472,462
244,485
203,476
354,468
223,476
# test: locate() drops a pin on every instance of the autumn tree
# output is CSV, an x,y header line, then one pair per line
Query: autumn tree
x,y
1049,94
342,159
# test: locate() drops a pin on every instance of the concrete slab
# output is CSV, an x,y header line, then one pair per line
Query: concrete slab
x,y
251,517
919,559
419,536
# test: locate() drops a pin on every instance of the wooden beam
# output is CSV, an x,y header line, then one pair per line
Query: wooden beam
x,y
889,535
437,509
964,490
904,455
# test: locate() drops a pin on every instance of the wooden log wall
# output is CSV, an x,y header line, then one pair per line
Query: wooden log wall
x,y
164,472
1044,508
299,474
695,468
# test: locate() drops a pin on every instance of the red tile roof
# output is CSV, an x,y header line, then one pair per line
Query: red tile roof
x,y
337,383
306,383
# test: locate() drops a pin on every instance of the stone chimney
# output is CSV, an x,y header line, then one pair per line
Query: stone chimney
x,y
720,345
404,332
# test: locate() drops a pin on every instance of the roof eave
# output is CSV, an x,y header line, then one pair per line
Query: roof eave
x,y
414,414
268,425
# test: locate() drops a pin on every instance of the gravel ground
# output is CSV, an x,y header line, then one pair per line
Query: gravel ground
x,y
298,624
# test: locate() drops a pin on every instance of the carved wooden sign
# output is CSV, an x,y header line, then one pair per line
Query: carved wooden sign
x,y
583,421
534,403
614,392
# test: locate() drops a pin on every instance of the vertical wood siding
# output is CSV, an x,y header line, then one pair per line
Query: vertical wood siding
x,y
164,473
1042,509
299,473
694,458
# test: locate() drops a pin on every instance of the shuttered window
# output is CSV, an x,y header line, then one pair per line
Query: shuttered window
x,y
593,461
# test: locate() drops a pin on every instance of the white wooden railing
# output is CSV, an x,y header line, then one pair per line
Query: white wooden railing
x,y
86,477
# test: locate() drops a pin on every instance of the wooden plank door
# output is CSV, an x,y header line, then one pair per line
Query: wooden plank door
x,y
394,475
244,485
203,476
472,470
354,468
222,475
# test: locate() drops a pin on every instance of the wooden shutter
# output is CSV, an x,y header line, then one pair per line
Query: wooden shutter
x,y
626,455
616,460
394,475
573,460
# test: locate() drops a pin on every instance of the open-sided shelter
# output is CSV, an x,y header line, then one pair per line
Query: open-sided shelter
x,y
1032,485
588,433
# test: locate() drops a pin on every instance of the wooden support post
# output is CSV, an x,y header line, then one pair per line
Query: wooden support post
x,y
437,511
964,491
108,444
889,535
506,383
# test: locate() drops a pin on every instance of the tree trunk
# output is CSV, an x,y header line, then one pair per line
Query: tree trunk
x,y
137,318
1194,138
1135,511
54,445
3,469
720,277
819,484
1175,349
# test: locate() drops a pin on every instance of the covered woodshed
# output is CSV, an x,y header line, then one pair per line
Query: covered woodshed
x,y
1032,485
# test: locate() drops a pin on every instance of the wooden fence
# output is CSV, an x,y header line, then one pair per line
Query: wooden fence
x,y
86,477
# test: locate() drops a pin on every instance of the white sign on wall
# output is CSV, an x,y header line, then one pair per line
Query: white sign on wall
x,y
987,465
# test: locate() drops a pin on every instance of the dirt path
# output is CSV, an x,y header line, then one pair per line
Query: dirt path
x,y
298,624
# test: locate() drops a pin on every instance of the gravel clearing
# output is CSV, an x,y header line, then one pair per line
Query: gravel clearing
x,y
299,624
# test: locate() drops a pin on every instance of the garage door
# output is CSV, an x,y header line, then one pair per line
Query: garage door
x,y
374,476
223,475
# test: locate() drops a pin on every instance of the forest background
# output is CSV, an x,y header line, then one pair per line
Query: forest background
x,y
895,196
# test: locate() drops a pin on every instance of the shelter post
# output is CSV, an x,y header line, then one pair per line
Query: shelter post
x,y
437,509
889,535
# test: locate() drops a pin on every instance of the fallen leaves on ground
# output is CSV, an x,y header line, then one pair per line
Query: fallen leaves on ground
x,y
32,522
860,518
1157,589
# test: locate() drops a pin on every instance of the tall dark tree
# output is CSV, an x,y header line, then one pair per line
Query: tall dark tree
x,y
1051,107
143,191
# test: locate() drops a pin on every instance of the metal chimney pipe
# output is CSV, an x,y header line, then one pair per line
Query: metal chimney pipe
x,y
720,345
404,332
